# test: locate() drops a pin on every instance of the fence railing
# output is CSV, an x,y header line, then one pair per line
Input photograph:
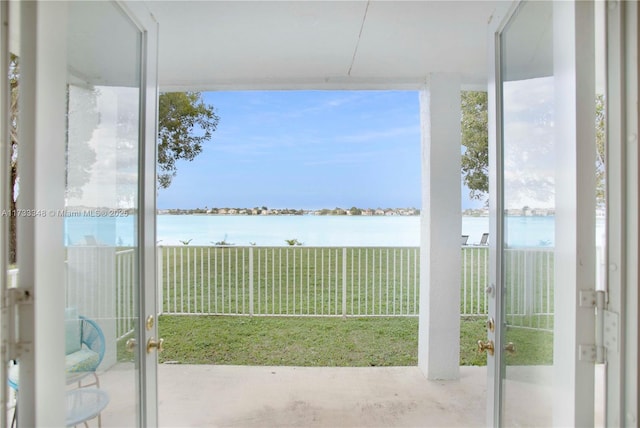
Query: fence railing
x,y
475,279
529,285
126,287
311,281
101,284
306,281
289,281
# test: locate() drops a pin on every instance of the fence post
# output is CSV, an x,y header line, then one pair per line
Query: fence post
x,y
251,281
344,282
159,281
529,281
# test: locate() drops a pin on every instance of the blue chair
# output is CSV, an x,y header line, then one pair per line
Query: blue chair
x,y
84,349
85,360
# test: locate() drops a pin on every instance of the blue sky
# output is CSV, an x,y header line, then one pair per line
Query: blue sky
x,y
306,149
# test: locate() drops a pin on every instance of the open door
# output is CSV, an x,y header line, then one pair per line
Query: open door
x,y
4,203
79,323
541,329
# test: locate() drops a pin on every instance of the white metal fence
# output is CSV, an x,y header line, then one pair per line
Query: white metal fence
x,y
475,279
299,281
100,283
125,292
306,281
529,281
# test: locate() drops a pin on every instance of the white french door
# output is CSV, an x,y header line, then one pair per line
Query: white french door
x,y
541,329
82,290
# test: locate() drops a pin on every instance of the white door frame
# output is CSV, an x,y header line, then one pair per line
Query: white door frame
x,y
622,213
575,276
575,212
146,232
42,134
43,99
5,195
496,227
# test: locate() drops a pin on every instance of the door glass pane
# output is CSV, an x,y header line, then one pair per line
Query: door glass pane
x,y
601,188
8,177
101,208
528,219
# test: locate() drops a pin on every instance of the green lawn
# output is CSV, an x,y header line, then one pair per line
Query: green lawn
x,y
300,280
323,342
289,341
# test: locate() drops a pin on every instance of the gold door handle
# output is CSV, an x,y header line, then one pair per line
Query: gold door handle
x,y
152,343
130,345
510,348
491,326
485,346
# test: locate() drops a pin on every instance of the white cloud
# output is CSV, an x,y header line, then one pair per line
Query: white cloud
x,y
529,138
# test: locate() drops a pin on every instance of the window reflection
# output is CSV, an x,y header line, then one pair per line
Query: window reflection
x,y
101,208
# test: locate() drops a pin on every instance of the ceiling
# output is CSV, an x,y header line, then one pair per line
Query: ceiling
x,y
236,45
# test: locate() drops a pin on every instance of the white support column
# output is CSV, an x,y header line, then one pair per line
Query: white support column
x,y
441,225
574,71
41,168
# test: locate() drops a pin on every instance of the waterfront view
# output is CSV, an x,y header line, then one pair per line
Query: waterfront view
x,y
310,230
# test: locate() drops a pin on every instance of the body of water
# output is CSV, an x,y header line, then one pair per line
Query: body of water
x,y
309,229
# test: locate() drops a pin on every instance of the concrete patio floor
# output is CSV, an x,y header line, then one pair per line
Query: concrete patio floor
x,y
321,397
241,396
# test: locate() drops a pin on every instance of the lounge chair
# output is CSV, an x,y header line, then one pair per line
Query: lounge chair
x,y
485,239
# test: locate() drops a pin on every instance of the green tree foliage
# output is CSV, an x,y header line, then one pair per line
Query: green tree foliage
x,y
14,75
600,150
185,123
355,211
475,140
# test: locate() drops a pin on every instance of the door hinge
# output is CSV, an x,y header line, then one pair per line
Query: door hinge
x,y
17,297
606,328
587,353
610,331
595,299
588,298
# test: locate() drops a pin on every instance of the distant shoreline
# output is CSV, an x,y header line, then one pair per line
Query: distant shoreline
x,y
264,211
353,211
